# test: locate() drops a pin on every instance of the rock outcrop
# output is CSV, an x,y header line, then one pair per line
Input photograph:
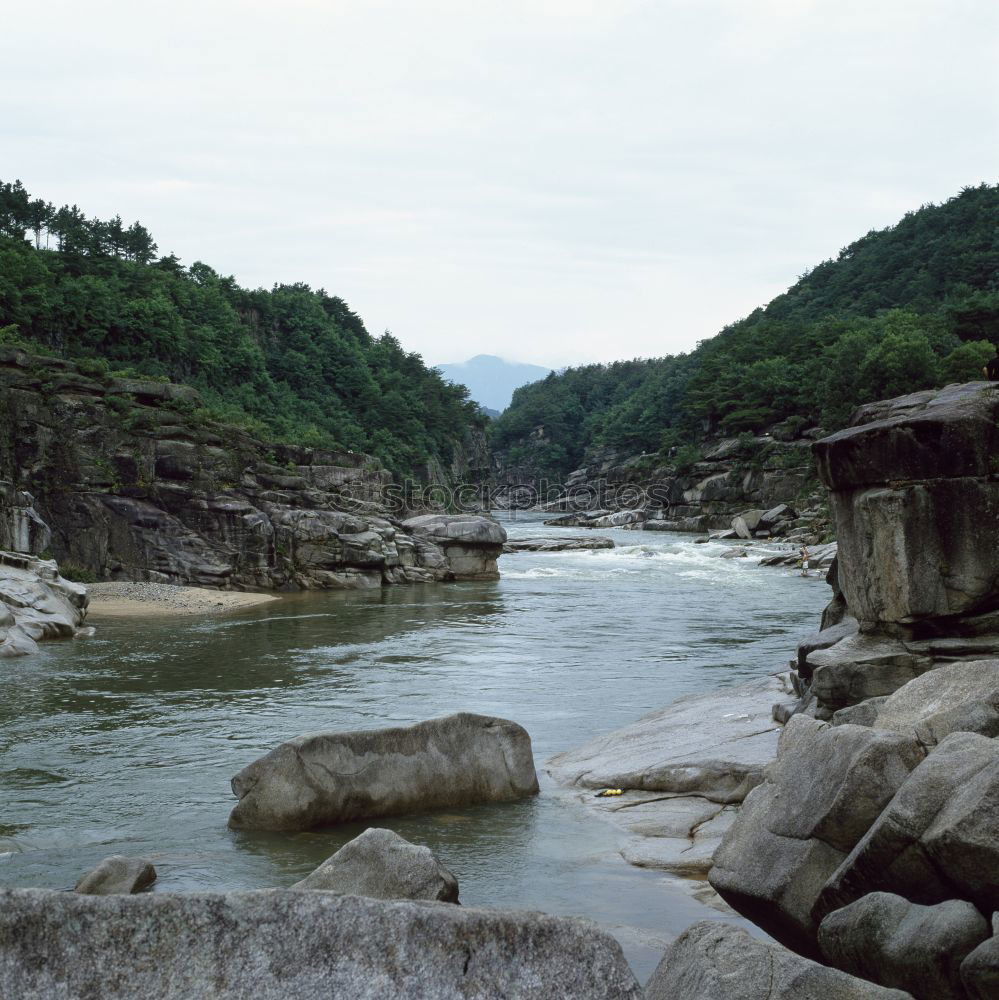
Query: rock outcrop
x,y
470,544
276,944
331,778
36,603
133,481
116,875
916,501
872,843
823,792
716,961
382,865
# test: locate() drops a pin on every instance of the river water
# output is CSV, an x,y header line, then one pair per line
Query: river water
x,y
125,743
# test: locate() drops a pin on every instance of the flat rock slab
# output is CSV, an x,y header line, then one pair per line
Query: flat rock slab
x,y
714,745
277,944
572,544
716,961
331,778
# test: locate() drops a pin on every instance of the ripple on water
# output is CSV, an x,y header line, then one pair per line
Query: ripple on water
x,y
126,743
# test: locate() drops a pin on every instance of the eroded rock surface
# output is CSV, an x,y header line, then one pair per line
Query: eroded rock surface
x,y
822,793
916,504
276,944
888,940
36,603
716,961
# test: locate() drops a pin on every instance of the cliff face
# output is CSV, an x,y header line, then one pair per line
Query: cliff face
x,y
128,479
915,490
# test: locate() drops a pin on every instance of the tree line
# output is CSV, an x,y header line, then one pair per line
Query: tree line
x,y
290,363
909,307
68,229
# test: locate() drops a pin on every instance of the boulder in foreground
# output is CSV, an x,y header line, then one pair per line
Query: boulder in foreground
x,y
826,788
330,778
277,944
382,865
117,874
887,939
716,961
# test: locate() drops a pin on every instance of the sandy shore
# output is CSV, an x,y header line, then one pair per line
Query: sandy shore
x,y
153,600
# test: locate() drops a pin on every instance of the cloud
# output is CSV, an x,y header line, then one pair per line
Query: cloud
x,y
564,180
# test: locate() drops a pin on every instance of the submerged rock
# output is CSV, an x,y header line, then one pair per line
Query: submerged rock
x,y
383,865
277,944
117,874
716,961
330,778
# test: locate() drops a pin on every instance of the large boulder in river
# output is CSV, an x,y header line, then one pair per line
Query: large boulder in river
x,y
329,778
822,793
716,961
117,874
383,865
887,939
936,840
277,944
471,543
916,504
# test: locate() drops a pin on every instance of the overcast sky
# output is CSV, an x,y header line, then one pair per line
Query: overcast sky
x,y
550,181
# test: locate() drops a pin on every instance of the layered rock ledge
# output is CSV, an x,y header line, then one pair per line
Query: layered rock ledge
x,y
130,480
36,603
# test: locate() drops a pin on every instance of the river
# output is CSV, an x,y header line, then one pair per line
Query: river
x,y
125,743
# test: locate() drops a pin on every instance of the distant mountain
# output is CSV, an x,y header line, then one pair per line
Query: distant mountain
x,y
491,380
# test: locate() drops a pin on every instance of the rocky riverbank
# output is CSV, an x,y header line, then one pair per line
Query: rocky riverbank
x,y
129,479
860,831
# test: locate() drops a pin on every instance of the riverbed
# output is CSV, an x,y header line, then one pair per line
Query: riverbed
x,y
125,742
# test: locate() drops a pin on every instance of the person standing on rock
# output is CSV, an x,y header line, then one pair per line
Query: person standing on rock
x,y
804,560
991,370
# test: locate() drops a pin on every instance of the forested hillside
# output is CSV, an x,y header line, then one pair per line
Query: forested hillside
x,y
290,363
904,308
